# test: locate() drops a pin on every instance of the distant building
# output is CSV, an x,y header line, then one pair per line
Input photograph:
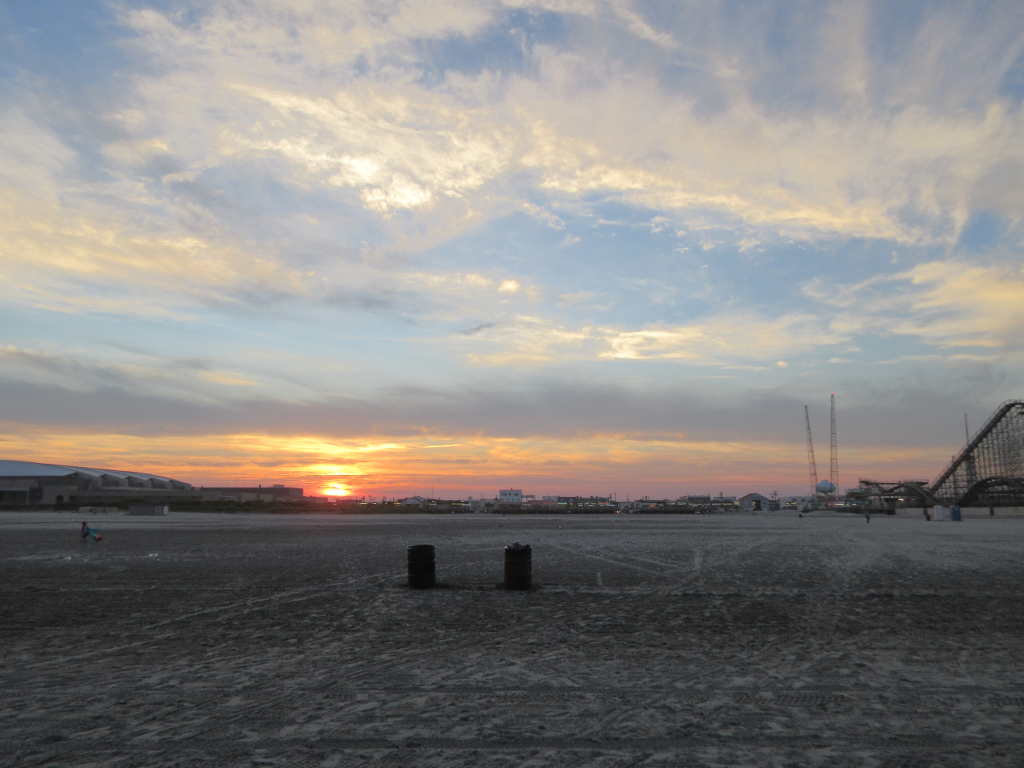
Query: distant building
x,y
510,497
31,483
546,504
149,509
242,493
28,482
754,502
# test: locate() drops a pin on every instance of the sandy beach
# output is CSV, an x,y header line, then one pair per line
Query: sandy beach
x,y
238,640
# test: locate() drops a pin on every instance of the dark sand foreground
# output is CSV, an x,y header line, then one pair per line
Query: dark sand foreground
x,y
237,640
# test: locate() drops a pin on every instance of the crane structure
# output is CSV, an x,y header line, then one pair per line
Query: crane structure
x,y
833,472
812,467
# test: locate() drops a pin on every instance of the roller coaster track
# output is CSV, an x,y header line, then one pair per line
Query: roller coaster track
x,y
990,469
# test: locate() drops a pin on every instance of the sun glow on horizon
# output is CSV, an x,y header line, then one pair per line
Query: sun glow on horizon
x,y
336,489
663,464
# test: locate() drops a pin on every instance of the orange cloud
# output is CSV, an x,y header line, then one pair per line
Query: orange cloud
x,y
666,465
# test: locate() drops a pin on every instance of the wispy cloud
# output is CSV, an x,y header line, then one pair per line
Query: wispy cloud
x,y
727,340
578,297
527,340
724,339
189,380
453,158
945,304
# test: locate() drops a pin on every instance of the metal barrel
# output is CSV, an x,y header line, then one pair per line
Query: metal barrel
x,y
519,568
421,566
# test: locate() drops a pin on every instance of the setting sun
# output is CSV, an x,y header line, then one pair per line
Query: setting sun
x,y
336,489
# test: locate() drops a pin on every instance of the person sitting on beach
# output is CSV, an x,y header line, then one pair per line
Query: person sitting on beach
x,y
88,533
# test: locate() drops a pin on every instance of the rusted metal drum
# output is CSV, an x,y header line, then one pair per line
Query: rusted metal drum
x,y
518,566
421,566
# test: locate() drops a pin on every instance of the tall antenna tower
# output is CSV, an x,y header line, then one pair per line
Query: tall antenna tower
x,y
812,467
833,472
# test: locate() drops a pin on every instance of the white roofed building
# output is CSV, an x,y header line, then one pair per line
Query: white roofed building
x,y
28,482
755,502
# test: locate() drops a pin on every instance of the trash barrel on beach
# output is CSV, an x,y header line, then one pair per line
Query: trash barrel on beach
x,y
518,566
954,513
421,566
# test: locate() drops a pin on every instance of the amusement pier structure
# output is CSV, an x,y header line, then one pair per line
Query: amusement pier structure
x,y
988,472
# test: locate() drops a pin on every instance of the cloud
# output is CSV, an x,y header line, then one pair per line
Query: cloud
x,y
568,299
412,465
948,304
723,339
75,260
334,114
434,290
621,12
228,379
561,434
906,169
548,217
477,329
945,304
33,158
510,409
118,249
527,340
956,304
904,178
726,340
187,379
400,193
326,36
635,23
402,148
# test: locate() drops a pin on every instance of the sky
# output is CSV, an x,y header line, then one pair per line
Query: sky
x,y
570,246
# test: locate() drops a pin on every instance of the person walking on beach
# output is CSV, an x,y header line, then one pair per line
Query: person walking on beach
x,y
88,533
867,516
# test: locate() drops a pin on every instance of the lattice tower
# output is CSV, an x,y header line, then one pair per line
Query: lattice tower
x,y
812,467
833,471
